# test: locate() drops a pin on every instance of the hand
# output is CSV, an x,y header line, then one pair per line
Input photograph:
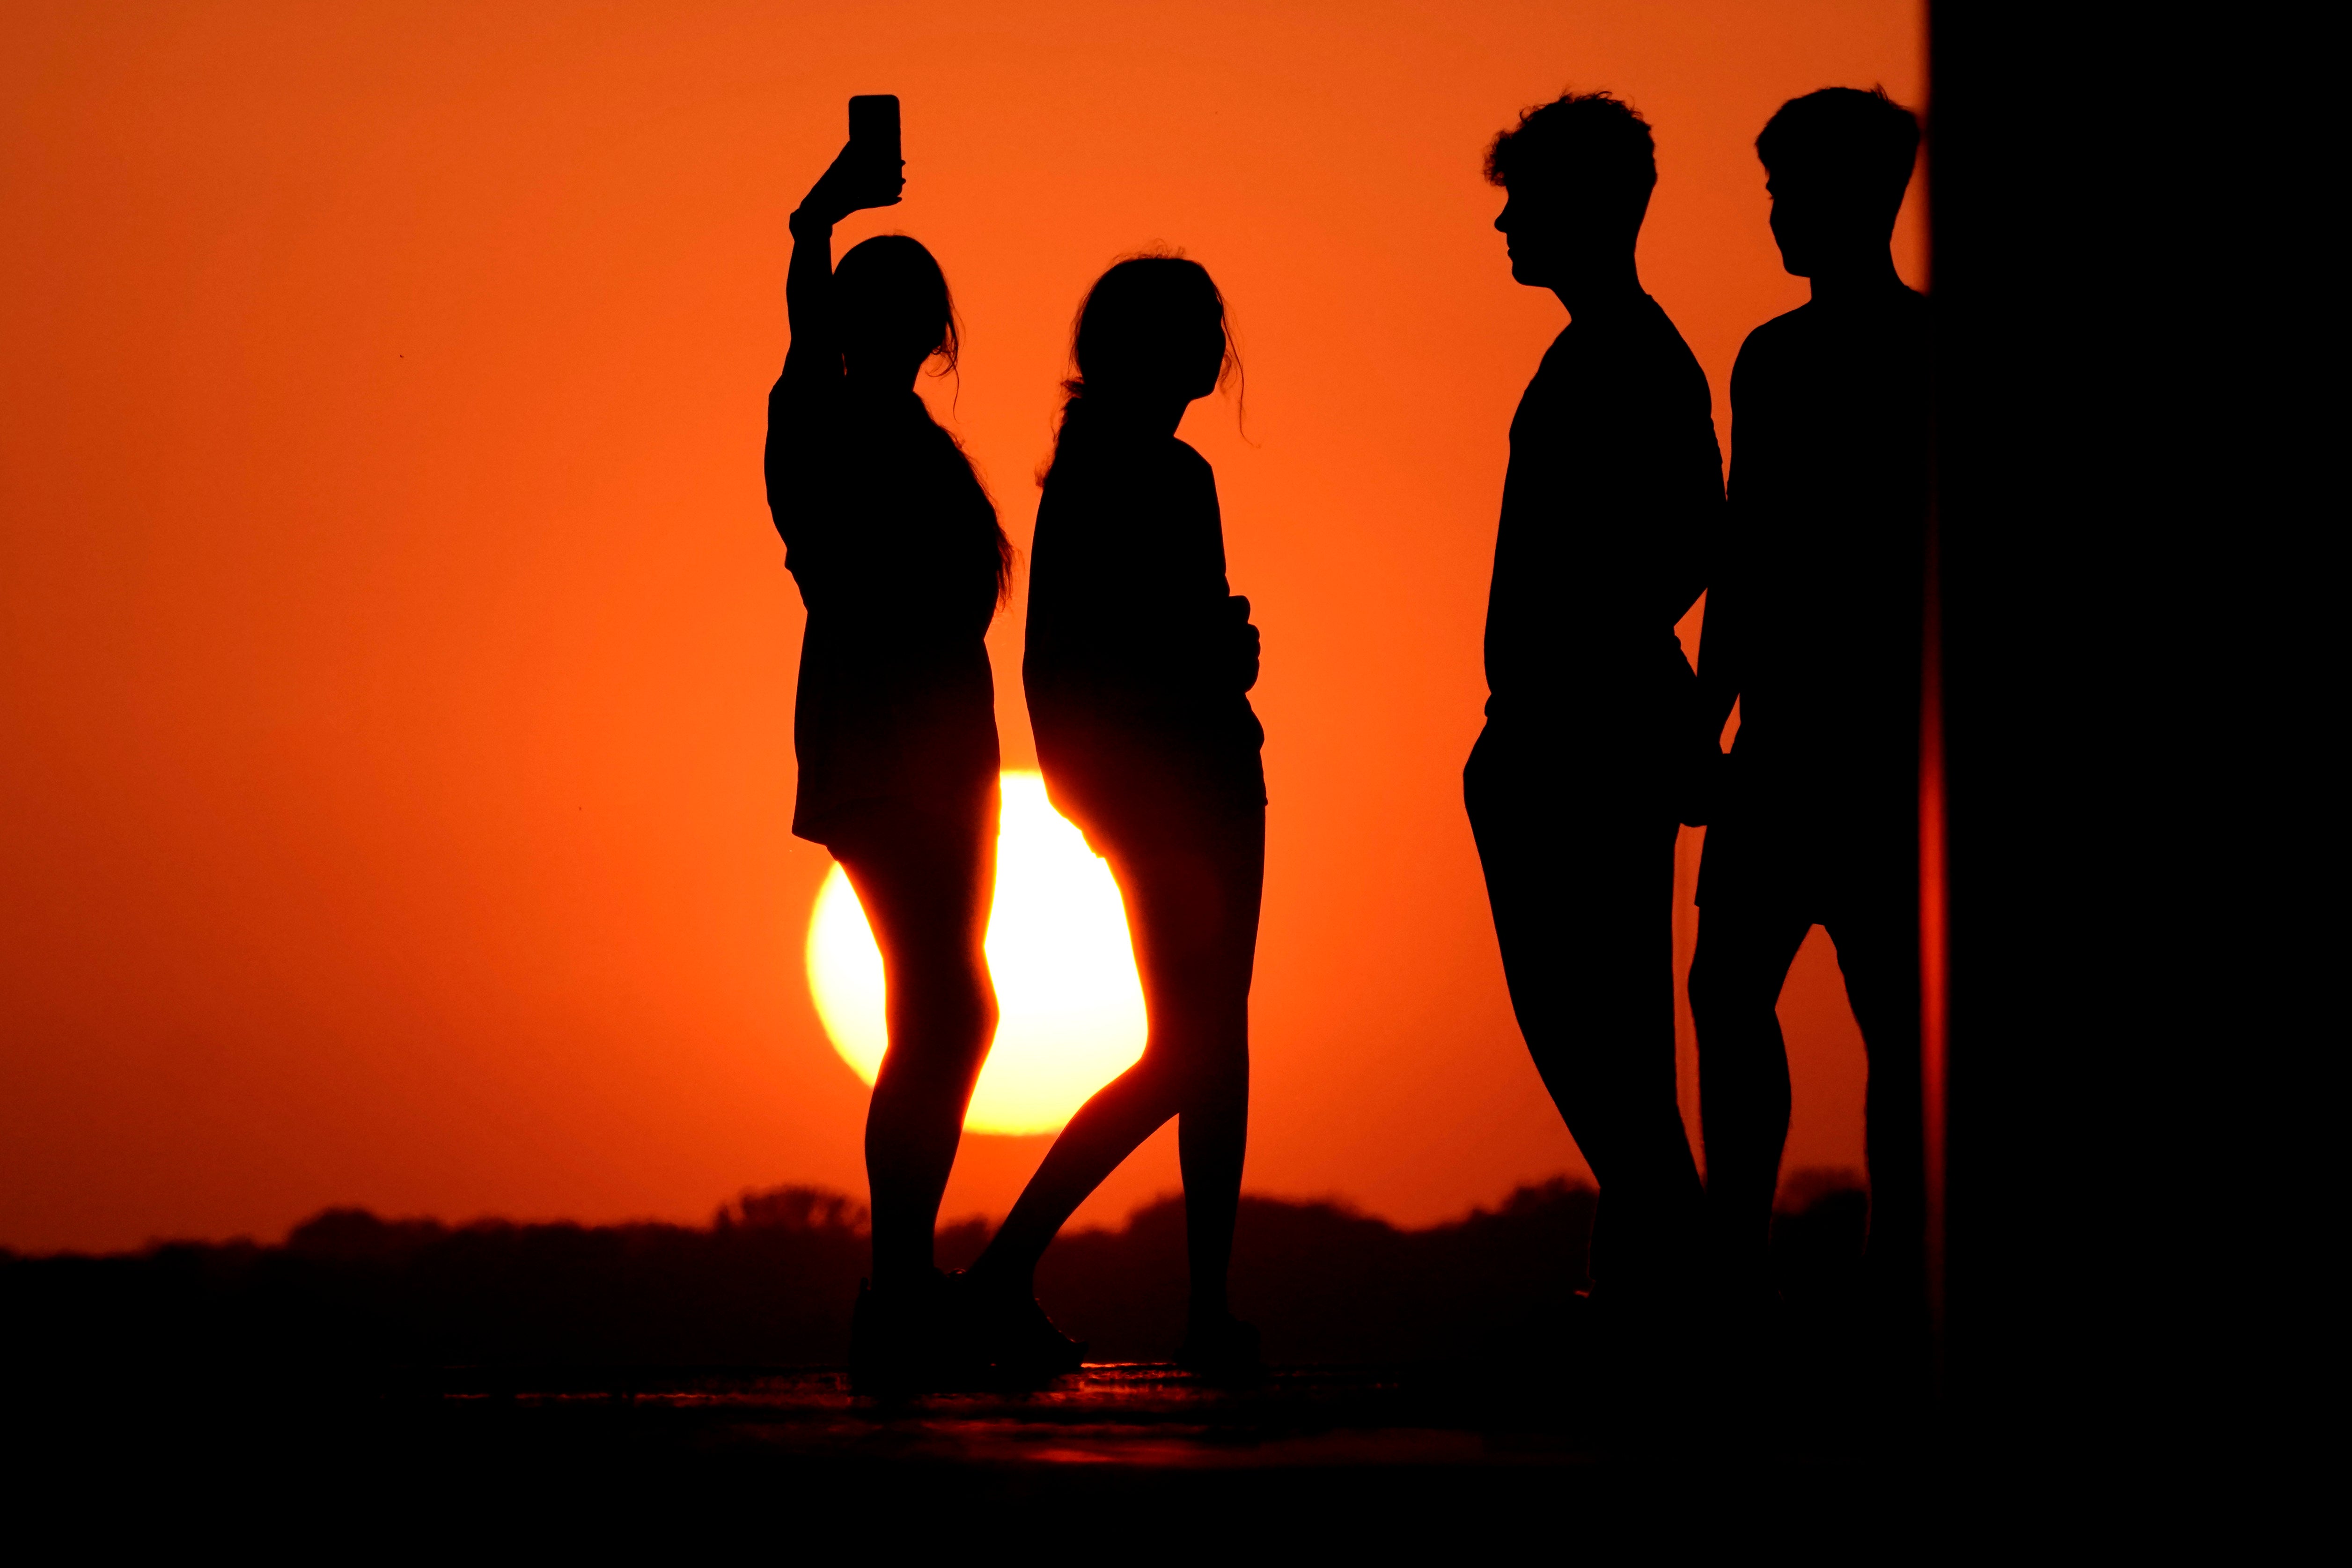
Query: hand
x,y
855,180
1246,642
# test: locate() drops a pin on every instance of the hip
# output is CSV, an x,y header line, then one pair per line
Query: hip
x,y
1122,792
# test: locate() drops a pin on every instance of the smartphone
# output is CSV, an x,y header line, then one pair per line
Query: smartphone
x,y
874,128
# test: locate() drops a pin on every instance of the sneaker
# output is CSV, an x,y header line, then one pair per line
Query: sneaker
x,y
1013,1334
1224,1349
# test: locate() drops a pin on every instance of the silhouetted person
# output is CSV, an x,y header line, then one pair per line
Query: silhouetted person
x,y
1138,662
1814,628
1578,781
902,565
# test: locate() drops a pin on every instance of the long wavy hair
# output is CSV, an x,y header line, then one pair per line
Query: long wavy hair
x,y
1132,328
891,293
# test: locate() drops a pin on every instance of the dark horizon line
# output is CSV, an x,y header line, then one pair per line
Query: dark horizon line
x,y
803,1207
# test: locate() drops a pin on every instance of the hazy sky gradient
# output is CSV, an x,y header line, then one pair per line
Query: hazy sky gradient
x,y
396,657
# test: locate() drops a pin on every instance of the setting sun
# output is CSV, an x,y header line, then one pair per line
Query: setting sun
x,y
1072,1008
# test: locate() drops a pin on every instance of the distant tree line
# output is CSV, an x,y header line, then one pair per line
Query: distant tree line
x,y
769,1281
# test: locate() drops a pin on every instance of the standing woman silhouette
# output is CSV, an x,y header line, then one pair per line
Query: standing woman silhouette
x,y
902,565
1137,664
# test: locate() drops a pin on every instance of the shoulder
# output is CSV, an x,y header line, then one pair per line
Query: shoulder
x,y
1556,357
1188,475
1769,346
1781,335
804,401
1063,481
1183,459
1668,357
1080,485
923,426
1075,469
1555,377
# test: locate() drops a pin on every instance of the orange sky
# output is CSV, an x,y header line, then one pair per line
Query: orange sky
x,y
396,657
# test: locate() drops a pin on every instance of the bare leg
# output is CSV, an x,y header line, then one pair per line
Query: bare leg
x,y
1743,958
1192,908
925,885
1212,1136
1877,950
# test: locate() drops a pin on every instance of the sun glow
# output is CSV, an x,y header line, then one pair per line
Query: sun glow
x,y
1071,1007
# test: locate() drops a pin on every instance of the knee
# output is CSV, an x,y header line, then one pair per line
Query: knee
x,y
978,983
952,1000
1220,1073
981,1014
1158,1080
1188,1071
976,1004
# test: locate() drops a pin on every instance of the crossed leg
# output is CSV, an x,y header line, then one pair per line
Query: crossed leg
x,y
1193,901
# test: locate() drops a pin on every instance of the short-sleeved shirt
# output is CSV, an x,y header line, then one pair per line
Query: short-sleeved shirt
x,y
1826,557
1614,489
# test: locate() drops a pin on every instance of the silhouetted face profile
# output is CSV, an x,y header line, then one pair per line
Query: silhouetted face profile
x,y
1836,163
1152,330
1579,172
894,311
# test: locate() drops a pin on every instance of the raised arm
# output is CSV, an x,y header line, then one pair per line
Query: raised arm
x,y
811,376
852,182
813,360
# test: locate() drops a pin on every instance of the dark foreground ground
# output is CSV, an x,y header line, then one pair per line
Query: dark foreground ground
x,y
1135,1458
373,1380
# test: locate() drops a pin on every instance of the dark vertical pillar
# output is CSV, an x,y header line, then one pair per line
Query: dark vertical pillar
x,y
2062,480
2010,480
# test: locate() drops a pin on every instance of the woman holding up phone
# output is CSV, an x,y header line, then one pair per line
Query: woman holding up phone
x,y
901,563
1137,671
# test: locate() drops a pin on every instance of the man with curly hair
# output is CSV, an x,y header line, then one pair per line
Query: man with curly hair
x,y
1578,781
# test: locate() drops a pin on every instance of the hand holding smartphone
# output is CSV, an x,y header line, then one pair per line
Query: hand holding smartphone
x,y
874,147
868,173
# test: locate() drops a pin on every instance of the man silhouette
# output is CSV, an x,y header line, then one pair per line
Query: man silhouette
x,y
1614,489
1813,626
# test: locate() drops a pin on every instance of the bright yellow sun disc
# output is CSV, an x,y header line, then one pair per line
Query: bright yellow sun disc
x,y
1071,1007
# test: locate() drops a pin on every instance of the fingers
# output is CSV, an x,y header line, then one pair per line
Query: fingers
x,y
852,182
